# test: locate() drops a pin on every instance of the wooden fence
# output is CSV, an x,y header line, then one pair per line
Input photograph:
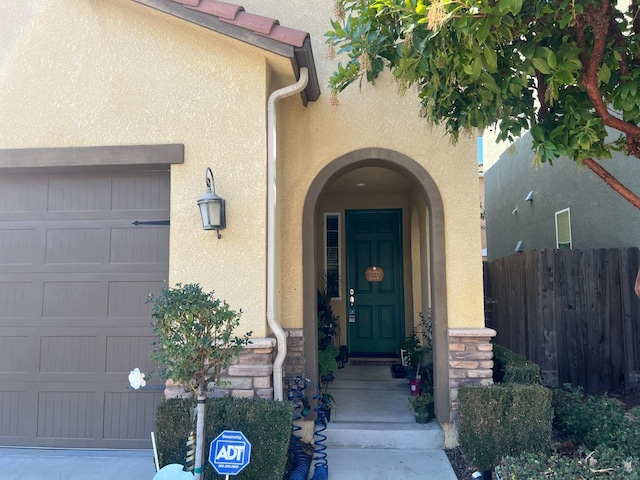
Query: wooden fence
x,y
573,312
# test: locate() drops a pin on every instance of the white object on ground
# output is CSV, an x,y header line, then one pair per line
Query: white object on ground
x,y
174,471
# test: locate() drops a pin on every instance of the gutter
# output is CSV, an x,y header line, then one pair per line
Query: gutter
x,y
272,150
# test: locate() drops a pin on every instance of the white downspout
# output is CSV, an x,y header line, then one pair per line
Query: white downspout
x,y
281,337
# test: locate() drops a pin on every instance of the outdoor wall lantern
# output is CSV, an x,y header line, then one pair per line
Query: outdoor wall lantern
x,y
212,206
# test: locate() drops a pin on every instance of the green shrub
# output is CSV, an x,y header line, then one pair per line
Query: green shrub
x,y
510,367
266,424
600,464
595,421
501,420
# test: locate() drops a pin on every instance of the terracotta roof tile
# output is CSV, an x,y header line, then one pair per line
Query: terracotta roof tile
x,y
192,3
256,23
222,10
290,36
236,15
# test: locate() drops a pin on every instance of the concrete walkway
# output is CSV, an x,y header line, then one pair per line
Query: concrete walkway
x,y
372,436
39,464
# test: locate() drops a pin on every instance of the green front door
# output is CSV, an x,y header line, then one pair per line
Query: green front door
x,y
375,281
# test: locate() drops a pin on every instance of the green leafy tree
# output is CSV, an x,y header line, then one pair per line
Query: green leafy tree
x,y
196,343
566,70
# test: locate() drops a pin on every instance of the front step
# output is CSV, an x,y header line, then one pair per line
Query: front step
x,y
395,436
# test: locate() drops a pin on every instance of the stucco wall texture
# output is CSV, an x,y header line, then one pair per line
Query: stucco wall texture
x,y
114,72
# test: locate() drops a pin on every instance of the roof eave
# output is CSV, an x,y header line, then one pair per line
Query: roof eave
x,y
299,56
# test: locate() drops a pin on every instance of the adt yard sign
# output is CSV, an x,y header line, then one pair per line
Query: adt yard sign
x,y
230,452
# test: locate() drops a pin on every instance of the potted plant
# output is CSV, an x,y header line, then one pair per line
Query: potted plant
x,y
426,352
422,405
328,352
326,403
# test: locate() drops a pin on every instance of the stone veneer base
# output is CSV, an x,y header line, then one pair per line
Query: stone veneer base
x,y
470,360
249,375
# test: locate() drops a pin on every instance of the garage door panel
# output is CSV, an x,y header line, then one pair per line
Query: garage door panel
x,y
14,299
139,244
78,192
67,414
72,299
129,415
74,245
17,246
75,276
14,353
147,192
124,353
12,413
130,298
68,354
22,193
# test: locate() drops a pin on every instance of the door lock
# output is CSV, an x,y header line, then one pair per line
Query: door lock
x,y
352,302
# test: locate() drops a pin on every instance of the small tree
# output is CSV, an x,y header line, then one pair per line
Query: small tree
x,y
195,344
568,71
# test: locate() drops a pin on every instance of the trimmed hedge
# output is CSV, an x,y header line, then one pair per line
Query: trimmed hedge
x,y
510,367
266,424
500,420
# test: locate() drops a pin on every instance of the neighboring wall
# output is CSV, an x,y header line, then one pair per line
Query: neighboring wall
x,y
600,218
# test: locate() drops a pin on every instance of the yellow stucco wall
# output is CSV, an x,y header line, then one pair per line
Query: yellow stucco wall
x,y
112,72
375,116
368,120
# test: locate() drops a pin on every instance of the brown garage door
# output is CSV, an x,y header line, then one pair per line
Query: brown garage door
x,y
75,274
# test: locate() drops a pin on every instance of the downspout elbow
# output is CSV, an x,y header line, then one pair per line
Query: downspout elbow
x,y
281,337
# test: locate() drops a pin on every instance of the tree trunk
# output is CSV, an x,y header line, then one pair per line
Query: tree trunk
x,y
199,463
613,182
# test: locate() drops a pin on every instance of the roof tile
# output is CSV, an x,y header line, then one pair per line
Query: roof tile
x,y
290,36
236,15
192,3
256,23
222,10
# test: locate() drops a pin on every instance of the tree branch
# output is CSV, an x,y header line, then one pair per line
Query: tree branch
x,y
613,182
599,22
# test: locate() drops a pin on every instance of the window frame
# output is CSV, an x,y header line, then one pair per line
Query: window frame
x,y
570,244
326,216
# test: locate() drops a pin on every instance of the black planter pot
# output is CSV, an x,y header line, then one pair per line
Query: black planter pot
x,y
327,413
485,475
399,371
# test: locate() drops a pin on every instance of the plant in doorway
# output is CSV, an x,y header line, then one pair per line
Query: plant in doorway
x,y
418,348
422,405
328,352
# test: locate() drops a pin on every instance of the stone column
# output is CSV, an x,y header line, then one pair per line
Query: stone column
x,y
294,363
470,360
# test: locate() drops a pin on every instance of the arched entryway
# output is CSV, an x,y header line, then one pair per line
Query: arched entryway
x,y
426,222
